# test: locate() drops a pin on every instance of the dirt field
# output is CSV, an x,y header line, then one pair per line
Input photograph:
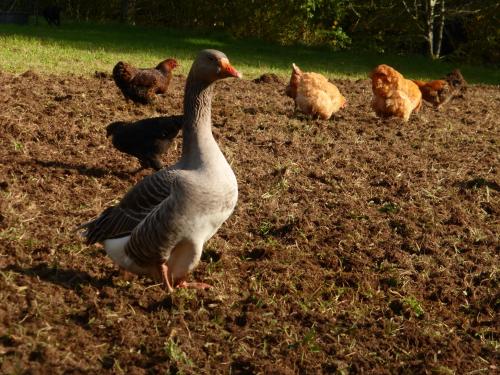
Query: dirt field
x,y
358,245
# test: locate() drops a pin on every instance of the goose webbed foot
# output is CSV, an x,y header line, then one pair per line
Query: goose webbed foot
x,y
192,285
168,281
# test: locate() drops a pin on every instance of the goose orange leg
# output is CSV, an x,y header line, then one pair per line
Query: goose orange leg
x,y
167,278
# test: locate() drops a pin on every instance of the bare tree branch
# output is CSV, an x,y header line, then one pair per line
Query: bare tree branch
x,y
414,16
354,10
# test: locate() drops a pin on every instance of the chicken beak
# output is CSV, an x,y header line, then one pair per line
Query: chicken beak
x,y
227,70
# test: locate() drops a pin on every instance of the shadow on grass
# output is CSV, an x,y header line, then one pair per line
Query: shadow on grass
x,y
165,304
477,183
67,278
83,169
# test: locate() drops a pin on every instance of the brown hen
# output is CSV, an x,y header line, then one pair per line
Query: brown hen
x,y
141,85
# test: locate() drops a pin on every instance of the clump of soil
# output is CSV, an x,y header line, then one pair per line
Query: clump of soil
x,y
358,245
268,78
101,75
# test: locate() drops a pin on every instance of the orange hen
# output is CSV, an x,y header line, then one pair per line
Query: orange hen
x,y
291,89
439,92
394,95
436,92
314,94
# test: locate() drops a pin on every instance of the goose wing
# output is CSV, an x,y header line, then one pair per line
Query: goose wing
x,y
157,234
139,202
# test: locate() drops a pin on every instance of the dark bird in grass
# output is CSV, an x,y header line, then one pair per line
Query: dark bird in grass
x,y
145,139
437,92
141,85
441,91
456,80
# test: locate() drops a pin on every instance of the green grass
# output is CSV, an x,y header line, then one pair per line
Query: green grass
x,y
84,48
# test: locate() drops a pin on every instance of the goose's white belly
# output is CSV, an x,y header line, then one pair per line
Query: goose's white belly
x,y
205,226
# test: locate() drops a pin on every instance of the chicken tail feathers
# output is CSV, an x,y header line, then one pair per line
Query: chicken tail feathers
x,y
418,83
123,73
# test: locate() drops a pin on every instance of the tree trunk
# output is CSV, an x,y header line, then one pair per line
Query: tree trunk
x,y
430,4
35,11
125,11
434,30
440,30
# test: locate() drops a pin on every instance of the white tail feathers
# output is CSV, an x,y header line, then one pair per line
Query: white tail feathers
x,y
115,248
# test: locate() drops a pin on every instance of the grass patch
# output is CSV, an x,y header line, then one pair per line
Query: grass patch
x,y
175,353
84,48
415,306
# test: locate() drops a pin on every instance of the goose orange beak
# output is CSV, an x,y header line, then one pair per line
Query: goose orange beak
x,y
227,70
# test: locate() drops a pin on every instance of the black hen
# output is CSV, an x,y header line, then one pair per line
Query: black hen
x,y
145,139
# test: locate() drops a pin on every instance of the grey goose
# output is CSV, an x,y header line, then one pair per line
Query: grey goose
x,y
160,226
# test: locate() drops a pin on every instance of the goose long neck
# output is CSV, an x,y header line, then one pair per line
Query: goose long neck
x,y
198,140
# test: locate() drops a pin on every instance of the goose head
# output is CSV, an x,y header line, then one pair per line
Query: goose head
x,y
212,65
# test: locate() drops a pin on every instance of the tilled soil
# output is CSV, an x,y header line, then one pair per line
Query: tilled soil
x,y
359,245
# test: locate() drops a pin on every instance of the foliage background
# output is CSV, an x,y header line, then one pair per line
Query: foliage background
x,y
471,33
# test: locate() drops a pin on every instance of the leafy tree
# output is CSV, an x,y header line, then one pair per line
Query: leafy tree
x,y
429,17
459,29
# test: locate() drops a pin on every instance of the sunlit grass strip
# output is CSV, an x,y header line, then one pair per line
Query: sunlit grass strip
x,y
85,48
